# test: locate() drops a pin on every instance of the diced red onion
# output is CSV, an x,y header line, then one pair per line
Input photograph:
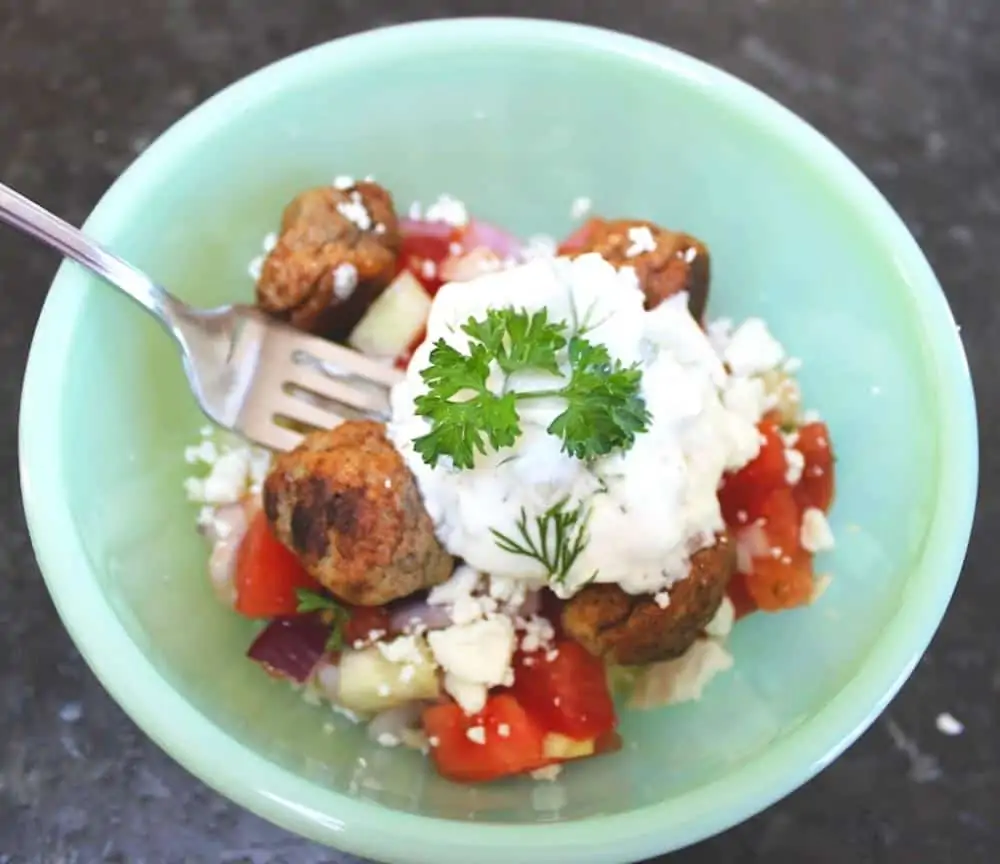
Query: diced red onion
x,y
478,233
408,615
291,647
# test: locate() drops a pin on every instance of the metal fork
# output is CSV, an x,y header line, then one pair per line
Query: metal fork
x,y
248,372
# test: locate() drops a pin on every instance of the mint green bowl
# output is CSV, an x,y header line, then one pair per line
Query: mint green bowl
x,y
517,118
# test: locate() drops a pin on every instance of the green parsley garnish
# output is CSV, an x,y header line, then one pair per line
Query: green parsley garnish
x,y
330,612
560,536
604,410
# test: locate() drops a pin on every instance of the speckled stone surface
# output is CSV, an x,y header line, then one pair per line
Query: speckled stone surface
x,y
909,88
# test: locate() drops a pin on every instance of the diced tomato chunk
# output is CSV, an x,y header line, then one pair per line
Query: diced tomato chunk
x,y
363,621
566,690
431,240
512,742
267,574
816,487
739,595
742,494
781,583
780,518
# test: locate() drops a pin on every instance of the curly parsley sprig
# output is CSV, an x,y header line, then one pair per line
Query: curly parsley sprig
x,y
604,409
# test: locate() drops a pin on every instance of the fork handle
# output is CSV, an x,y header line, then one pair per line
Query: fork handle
x,y
36,221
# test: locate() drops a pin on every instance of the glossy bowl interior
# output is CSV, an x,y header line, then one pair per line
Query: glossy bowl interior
x,y
517,119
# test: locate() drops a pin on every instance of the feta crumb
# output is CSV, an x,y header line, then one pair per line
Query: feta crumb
x,y
474,657
752,350
796,464
539,246
948,725
428,269
642,241
662,599
552,655
406,673
345,280
403,649
343,182
503,730
269,242
379,228
455,249
548,773
434,741
476,734
448,210
742,516
354,209
387,739
815,535
581,207
255,267
538,633
792,365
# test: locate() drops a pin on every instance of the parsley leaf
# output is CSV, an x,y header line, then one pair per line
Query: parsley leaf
x,y
604,410
330,612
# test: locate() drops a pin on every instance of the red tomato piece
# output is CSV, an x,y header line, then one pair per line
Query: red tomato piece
x,y
742,494
816,488
781,519
431,240
739,595
458,757
579,238
365,620
565,690
268,574
781,583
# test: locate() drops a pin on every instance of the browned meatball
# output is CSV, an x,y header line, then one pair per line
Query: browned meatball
x,y
336,253
678,263
631,629
347,505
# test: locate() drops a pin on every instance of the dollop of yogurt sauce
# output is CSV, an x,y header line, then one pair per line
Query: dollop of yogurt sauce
x,y
648,508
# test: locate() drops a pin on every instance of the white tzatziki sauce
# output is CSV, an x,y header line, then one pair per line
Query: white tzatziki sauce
x,y
650,507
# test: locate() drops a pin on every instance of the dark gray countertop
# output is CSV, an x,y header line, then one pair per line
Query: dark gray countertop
x,y
909,88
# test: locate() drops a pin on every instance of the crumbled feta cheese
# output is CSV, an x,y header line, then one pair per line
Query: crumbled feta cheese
x,y
269,242
581,207
402,649
752,349
255,267
503,730
428,269
538,633
662,599
379,228
476,734
474,657
792,365
343,182
345,280
548,773
795,464
355,210
642,241
948,725
455,249
387,739
815,535
539,246
449,210
434,741
226,483
463,582
406,673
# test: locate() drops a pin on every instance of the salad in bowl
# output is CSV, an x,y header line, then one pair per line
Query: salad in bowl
x,y
582,486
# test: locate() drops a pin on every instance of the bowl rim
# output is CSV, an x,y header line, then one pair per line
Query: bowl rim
x,y
369,829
